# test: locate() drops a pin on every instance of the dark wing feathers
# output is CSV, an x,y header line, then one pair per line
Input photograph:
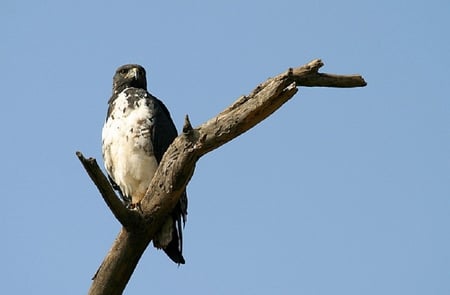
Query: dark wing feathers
x,y
164,130
163,134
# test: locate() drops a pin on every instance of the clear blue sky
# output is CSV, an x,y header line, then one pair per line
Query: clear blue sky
x,y
342,191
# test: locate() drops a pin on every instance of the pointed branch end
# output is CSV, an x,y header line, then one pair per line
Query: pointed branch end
x,y
81,157
187,127
85,161
315,65
363,82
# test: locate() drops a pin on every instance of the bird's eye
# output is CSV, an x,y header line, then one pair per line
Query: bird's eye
x,y
123,71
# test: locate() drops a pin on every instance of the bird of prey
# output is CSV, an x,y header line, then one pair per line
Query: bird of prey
x,y
137,132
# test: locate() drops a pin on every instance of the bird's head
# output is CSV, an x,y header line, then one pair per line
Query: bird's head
x,y
129,76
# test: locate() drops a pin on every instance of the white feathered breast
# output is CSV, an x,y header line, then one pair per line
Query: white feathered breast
x,y
127,147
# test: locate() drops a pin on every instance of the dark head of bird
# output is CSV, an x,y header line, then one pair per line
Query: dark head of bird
x,y
128,76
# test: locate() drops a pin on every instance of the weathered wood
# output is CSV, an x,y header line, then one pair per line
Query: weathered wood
x,y
128,218
119,263
178,163
309,76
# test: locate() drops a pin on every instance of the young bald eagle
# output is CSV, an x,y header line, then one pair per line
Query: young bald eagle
x,y
137,132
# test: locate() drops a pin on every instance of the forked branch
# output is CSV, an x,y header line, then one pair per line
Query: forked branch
x,y
178,164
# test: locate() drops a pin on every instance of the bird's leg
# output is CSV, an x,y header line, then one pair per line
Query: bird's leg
x,y
138,207
135,206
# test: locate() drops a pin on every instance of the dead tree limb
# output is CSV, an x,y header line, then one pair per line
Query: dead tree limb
x,y
128,218
178,164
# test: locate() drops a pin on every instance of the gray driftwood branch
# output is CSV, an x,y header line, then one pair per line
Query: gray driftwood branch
x,y
178,164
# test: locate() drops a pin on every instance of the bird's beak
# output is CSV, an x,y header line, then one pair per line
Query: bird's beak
x,y
133,73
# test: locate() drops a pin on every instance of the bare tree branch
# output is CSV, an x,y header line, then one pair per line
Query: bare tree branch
x,y
178,164
126,217
309,76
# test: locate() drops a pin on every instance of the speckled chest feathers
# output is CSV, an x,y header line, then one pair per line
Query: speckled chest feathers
x,y
127,142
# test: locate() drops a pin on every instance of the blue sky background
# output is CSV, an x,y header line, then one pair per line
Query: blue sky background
x,y
342,191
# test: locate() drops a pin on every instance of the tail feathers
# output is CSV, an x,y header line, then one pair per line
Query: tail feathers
x,y
175,247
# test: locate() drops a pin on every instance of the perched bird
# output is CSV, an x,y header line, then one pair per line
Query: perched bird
x,y
137,132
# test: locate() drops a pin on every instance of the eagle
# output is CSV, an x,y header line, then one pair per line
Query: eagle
x,y
137,132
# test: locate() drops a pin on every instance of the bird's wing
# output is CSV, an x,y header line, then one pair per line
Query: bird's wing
x,y
163,134
163,131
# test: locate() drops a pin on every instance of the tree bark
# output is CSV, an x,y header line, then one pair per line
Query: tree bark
x,y
178,164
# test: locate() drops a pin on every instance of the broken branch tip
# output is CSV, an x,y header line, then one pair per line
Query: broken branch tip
x,y
187,127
